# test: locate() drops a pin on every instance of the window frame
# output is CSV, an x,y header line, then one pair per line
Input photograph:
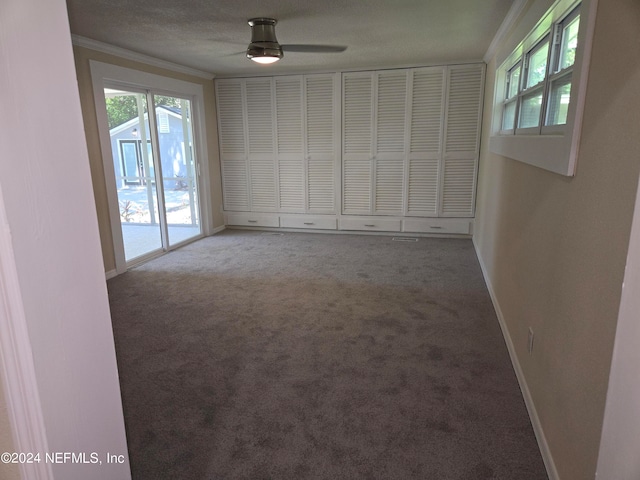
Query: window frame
x,y
527,90
114,76
513,99
552,147
559,37
555,73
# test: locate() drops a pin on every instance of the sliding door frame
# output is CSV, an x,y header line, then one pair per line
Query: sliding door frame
x,y
108,76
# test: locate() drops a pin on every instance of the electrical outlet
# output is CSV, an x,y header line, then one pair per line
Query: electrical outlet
x,y
530,341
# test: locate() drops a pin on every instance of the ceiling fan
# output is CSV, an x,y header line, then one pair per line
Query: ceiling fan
x,y
264,47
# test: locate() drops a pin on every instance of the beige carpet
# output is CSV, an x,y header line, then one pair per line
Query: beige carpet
x,y
304,356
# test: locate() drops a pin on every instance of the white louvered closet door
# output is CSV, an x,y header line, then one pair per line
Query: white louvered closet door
x,y
233,153
357,103
320,140
289,136
261,139
388,158
461,140
425,150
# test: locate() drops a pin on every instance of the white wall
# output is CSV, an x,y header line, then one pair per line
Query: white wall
x,y
57,290
619,457
554,248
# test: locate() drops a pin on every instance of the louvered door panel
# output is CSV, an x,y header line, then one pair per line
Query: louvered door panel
x,y
319,95
391,102
291,183
463,109
230,118
263,181
232,138
357,114
357,185
389,184
234,181
357,142
462,135
423,187
260,114
427,110
289,143
458,187
320,141
391,110
289,114
321,185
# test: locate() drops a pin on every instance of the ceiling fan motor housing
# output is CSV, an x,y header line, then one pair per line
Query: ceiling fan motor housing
x,y
263,39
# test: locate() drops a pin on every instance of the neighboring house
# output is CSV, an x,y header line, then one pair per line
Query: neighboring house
x,y
133,166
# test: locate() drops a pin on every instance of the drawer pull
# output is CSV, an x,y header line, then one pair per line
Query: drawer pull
x,y
435,226
252,221
369,225
309,223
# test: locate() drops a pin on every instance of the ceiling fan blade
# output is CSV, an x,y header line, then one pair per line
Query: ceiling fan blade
x,y
314,48
243,52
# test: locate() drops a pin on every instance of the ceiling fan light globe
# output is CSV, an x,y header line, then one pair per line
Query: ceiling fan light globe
x,y
265,60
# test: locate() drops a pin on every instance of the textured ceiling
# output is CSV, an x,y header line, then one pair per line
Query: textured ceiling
x,y
212,35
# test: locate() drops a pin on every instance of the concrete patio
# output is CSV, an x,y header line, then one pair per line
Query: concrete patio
x,y
140,225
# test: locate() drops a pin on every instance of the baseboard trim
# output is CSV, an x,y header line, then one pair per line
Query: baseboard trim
x,y
543,445
111,274
218,229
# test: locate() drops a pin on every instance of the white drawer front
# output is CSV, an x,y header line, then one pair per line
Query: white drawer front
x,y
324,223
438,225
253,219
374,224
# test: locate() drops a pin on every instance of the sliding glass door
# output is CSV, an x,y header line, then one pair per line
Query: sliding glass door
x,y
155,170
175,138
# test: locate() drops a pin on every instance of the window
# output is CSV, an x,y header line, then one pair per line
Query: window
x,y
566,42
541,84
511,97
542,97
536,64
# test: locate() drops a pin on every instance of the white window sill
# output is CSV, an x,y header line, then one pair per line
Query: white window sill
x,y
551,152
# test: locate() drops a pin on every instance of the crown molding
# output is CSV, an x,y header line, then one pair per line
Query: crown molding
x,y
509,20
137,57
